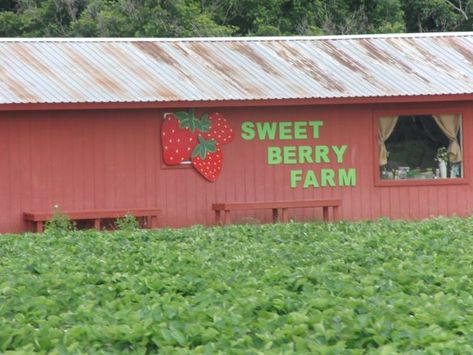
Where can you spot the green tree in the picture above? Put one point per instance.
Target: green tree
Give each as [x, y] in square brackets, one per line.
[438, 15]
[363, 16]
[184, 18]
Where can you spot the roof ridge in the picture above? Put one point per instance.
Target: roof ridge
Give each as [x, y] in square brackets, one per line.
[239, 39]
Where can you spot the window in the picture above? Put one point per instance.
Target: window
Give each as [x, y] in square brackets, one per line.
[419, 147]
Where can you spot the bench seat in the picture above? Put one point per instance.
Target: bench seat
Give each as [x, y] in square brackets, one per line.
[39, 218]
[275, 206]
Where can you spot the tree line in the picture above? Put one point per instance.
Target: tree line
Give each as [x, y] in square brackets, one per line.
[198, 18]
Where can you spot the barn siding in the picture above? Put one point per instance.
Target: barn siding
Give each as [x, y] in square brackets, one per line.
[112, 159]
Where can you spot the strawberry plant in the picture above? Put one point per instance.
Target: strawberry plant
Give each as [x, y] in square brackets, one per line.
[347, 288]
[127, 223]
[59, 224]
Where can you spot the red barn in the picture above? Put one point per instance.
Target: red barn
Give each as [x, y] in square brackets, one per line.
[380, 122]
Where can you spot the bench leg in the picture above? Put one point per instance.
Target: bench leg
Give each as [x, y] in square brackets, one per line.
[31, 225]
[218, 222]
[325, 214]
[335, 213]
[275, 215]
[39, 227]
[226, 217]
[284, 215]
[152, 222]
[97, 224]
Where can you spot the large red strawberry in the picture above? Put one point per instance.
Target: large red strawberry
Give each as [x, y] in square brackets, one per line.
[207, 159]
[215, 126]
[179, 136]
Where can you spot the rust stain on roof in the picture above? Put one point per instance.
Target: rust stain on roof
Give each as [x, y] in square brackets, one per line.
[394, 43]
[381, 56]
[100, 78]
[308, 67]
[156, 52]
[227, 71]
[180, 48]
[16, 88]
[141, 72]
[24, 53]
[343, 58]
[353, 65]
[466, 52]
[248, 52]
[426, 56]
[212, 59]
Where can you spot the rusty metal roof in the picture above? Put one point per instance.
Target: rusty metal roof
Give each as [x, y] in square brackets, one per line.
[215, 69]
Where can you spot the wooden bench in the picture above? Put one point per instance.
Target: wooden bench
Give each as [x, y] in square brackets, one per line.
[39, 218]
[275, 206]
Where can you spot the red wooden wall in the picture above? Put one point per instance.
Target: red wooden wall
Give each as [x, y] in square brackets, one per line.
[112, 159]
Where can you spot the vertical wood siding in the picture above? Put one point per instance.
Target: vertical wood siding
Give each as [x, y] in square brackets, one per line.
[112, 159]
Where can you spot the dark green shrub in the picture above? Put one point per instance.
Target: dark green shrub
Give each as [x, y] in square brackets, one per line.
[127, 223]
[59, 224]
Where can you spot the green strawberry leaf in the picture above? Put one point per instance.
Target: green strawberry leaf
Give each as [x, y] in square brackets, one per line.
[204, 123]
[188, 120]
[204, 147]
[181, 115]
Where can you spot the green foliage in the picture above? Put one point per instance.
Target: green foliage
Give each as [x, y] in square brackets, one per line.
[196, 18]
[345, 288]
[438, 15]
[127, 223]
[59, 225]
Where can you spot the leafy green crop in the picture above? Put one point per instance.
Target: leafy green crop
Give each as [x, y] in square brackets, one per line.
[345, 288]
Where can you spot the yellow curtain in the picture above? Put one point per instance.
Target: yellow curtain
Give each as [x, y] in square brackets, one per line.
[450, 125]
[385, 128]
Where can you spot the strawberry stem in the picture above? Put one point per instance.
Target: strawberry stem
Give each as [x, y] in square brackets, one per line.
[188, 120]
[204, 147]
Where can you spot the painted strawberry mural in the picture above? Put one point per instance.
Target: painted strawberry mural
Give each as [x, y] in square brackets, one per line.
[185, 137]
[218, 129]
[178, 137]
[207, 159]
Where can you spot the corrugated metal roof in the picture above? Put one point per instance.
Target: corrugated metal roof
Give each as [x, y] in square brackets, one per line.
[215, 69]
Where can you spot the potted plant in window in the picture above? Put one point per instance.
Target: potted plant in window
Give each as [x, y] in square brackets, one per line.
[442, 158]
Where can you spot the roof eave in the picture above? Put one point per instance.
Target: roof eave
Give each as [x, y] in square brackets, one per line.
[237, 103]
[235, 39]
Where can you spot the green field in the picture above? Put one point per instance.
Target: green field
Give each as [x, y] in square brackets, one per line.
[381, 287]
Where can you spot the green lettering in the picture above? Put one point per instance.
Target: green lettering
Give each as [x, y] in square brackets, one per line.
[266, 129]
[305, 154]
[285, 130]
[296, 176]
[289, 155]
[247, 130]
[315, 128]
[300, 130]
[347, 178]
[274, 155]
[339, 152]
[321, 154]
[310, 180]
[326, 177]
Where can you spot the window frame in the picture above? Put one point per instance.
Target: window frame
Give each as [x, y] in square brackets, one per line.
[378, 182]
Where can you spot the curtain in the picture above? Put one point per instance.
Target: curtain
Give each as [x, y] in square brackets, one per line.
[450, 125]
[385, 128]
